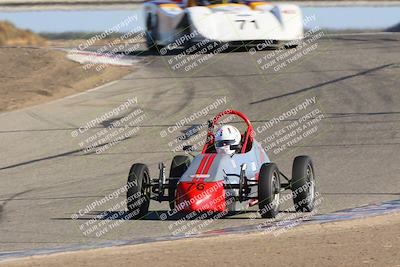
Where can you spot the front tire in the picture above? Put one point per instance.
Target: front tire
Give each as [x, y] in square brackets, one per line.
[138, 194]
[303, 184]
[268, 190]
[179, 165]
[152, 33]
[151, 46]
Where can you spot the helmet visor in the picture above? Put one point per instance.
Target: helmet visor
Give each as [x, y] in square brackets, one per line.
[222, 143]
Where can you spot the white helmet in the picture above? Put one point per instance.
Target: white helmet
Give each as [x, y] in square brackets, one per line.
[227, 139]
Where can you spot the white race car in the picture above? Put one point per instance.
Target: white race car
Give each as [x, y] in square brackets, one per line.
[174, 24]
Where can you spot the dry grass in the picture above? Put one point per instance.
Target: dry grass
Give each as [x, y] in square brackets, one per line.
[36, 75]
[11, 35]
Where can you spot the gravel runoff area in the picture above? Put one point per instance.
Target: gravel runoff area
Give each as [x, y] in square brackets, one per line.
[370, 241]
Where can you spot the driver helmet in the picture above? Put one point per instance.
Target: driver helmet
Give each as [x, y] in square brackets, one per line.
[227, 139]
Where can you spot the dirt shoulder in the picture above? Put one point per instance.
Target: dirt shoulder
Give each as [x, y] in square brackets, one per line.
[31, 76]
[371, 241]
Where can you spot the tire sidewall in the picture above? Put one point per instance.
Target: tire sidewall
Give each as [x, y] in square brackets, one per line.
[138, 174]
[302, 199]
[266, 190]
[152, 32]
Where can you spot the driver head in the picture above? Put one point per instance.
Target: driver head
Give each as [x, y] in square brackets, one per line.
[227, 139]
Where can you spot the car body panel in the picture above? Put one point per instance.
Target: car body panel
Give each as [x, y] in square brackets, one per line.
[255, 21]
[208, 170]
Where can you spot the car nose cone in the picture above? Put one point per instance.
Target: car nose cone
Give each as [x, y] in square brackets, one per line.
[200, 196]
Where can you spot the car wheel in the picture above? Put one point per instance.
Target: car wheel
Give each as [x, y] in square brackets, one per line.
[188, 41]
[179, 165]
[152, 35]
[268, 190]
[138, 194]
[303, 184]
[150, 42]
[149, 36]
[291, 46]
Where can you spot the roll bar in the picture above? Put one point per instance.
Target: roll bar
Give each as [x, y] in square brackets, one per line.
[213, 122]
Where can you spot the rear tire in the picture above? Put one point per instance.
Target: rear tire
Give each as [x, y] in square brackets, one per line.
[292, 44]
[189, 42]
[303, 184]
[138, 194]
[268, 190]
[179, 165]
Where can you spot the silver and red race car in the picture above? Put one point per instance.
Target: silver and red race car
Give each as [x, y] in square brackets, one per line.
[220, 182]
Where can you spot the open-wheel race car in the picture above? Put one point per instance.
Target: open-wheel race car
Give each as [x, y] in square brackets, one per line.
[217, 182]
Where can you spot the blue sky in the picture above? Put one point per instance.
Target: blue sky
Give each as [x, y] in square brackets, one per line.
[327, 17]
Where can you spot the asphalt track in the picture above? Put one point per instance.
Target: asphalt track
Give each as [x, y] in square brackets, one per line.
[45, 177]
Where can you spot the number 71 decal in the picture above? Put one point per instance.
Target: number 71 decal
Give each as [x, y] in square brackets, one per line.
[243, 22]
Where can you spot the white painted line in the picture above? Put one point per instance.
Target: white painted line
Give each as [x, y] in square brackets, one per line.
[342, 215]
[91, 90]
[101, 58]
